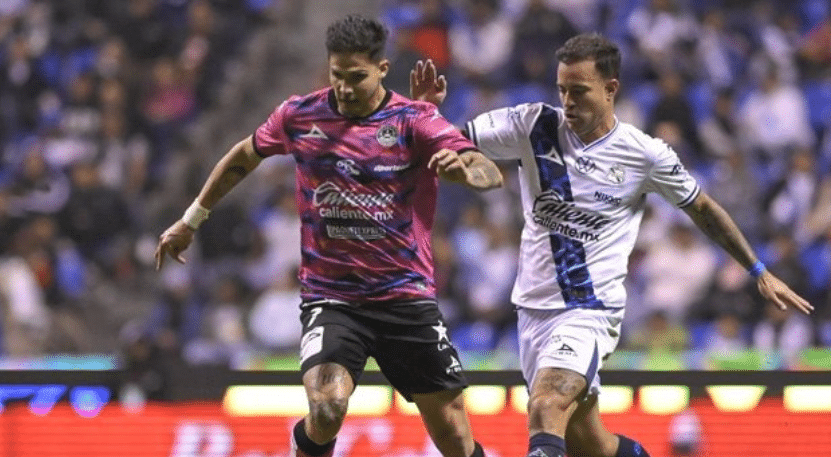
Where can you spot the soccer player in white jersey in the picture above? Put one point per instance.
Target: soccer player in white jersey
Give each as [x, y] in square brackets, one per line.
[584, 177]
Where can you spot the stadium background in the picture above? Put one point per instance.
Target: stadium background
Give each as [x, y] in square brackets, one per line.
[113, 112]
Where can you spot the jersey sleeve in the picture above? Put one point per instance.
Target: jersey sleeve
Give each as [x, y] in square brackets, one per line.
[501, 133]
[432, 133]
[670, 179]
[270, 138]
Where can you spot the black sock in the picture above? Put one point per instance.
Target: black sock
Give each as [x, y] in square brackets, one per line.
[306, 445]
[477, 450]
[630, 448]
[546, 445]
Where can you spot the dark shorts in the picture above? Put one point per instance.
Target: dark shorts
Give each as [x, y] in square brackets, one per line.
[409, 341]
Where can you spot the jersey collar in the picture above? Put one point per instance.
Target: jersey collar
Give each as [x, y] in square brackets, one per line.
[333, 104]
[596, 142]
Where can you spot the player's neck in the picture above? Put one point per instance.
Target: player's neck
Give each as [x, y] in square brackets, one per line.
[602, 129]
[373, 104]
[377, 99]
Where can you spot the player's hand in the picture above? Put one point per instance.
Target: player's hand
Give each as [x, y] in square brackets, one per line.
[778, 293]
[426, 84]
[449, 166]
[173, 241]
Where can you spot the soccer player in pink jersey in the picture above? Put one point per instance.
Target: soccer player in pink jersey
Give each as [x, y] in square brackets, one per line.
[368, 162]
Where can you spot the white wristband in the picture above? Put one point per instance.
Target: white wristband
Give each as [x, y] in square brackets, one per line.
[195, 215]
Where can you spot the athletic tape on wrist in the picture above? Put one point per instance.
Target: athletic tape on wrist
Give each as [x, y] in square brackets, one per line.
[195, 215]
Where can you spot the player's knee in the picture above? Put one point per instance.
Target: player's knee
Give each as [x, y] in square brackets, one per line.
[327, 415]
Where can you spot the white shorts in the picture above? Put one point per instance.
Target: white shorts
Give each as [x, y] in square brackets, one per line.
[576, 339]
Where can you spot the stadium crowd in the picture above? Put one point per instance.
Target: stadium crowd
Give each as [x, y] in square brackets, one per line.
[95, 97]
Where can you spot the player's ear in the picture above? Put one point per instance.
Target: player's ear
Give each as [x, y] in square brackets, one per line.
[612, 86]
[383, 67]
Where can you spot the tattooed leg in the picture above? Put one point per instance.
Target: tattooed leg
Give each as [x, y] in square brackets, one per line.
[553, 399]
[328, 387]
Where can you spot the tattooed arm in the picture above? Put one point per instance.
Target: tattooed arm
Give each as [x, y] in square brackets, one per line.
[228, 172]
[714, 221]
[235, 165]
[483, 174]
[470, 168]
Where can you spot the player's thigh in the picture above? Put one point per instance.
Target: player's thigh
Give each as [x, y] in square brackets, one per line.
[586, 436]
[572, 339]
[332, 336]
[419, 359]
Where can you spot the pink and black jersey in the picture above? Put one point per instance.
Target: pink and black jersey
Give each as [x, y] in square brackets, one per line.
[364, 193]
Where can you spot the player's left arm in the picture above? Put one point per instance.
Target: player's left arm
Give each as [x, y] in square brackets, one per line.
[470, 168]
[714, 221]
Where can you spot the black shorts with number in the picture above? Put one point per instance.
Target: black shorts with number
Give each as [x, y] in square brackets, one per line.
[408, 340]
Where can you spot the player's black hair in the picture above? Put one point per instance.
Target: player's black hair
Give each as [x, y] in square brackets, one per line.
[592, 46]
[356, 33]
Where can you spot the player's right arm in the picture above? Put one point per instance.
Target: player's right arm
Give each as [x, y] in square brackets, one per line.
[234, 166]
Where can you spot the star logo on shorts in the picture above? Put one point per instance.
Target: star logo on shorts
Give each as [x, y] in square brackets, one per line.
[442, 331]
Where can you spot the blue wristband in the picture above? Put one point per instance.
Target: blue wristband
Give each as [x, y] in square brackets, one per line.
[757, 269]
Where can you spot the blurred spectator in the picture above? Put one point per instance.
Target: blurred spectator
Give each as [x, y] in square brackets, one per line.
[678, 271]
[470, 241]
[144, 30]
[783, 332]
[21, 88]
[490, 290]
[542, 27]
[25, 315]
[94, 216]
[657, 334]
[403, 58]
[727, 336]
[774, 118]
[81, 119]
[814, 51]
[10, 221]
[819, 218]
[223, 337]
[816, 259]
[176, 318]
[719, 132]
[201, 51]
[721, 50]
[672, 107]
[39, 188]
[532, 78]
[481, 42]
[776, 31]
[790, 198]
[169, 103]
[731, 291]
[737, 188]
[122, 157]
[274, 321]
[661, 29]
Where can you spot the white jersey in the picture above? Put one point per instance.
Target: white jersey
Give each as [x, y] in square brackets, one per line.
[582, 204]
